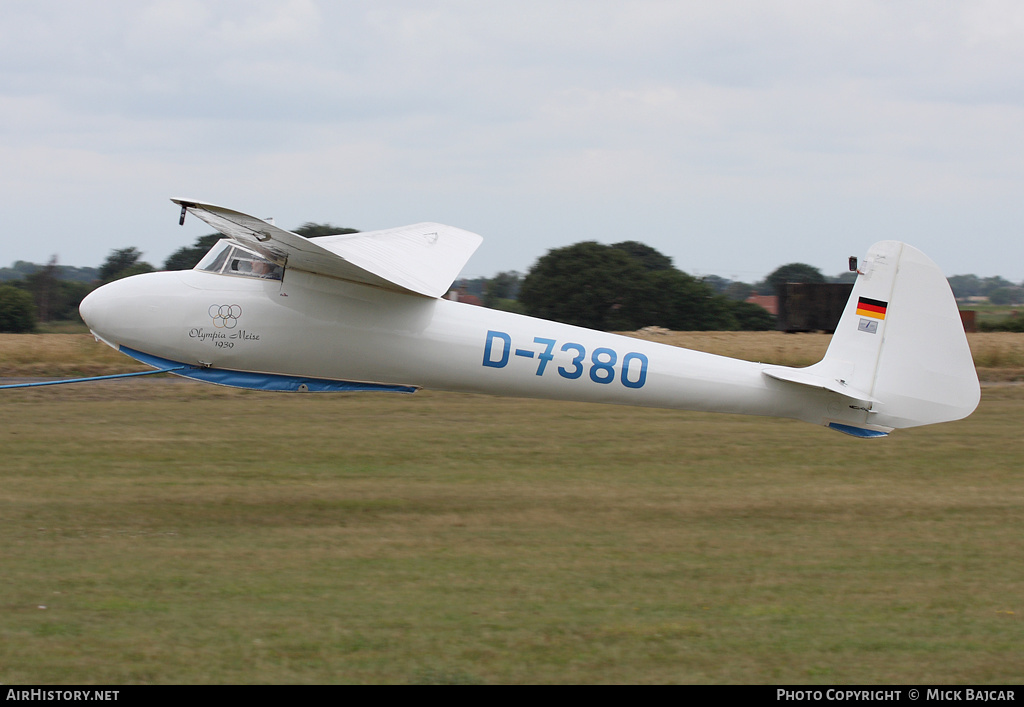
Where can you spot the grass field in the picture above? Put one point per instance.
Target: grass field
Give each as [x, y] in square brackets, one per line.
[165, 531]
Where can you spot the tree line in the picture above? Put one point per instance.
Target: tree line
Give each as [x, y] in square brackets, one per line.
[33, 293]
[628, 286]
[620, 287]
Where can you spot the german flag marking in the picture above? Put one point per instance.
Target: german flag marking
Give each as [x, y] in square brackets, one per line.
[867, 307]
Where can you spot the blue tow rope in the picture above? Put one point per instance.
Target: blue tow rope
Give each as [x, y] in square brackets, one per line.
[95, 378]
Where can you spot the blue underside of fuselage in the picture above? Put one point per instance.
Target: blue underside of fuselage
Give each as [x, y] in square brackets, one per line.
[262, 381]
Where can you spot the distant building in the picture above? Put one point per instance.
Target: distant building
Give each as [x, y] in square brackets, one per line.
[805, 306]
[969, 319]
[770, 303]
[459, 294]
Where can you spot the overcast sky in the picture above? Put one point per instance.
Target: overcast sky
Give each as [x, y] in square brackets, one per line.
[732, 136]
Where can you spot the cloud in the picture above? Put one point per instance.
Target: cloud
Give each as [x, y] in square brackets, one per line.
[710, 129]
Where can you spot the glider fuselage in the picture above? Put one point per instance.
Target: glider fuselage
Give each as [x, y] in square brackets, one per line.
[271, 310]
[310, 326]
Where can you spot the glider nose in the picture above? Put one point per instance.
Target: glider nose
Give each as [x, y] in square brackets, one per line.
[113, 311]
[95, 310]
[142, 312]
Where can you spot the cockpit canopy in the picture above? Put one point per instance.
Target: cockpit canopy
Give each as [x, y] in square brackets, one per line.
[227, 257]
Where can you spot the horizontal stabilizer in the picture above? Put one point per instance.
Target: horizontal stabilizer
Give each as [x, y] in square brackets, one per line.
[423, 259]
[803, 377]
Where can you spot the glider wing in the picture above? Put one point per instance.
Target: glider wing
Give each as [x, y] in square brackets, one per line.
[423, 259]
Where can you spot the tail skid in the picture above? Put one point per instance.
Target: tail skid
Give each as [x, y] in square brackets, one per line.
[899, 357]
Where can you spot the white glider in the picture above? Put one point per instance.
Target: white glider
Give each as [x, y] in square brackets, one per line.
[271, 310]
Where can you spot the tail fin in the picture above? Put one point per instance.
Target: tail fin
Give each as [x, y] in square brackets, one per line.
[900, 348]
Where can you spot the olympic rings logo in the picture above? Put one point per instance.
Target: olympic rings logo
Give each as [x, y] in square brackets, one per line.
[225, 316]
